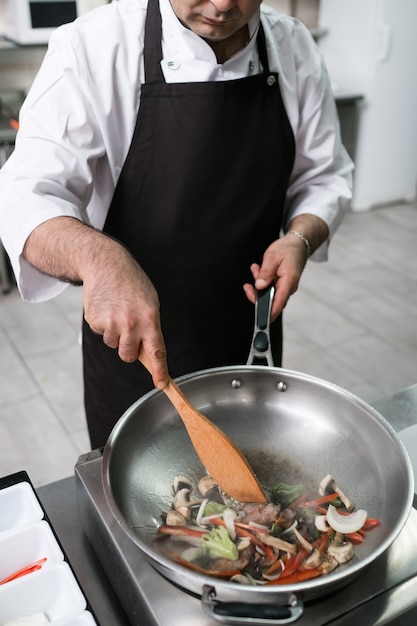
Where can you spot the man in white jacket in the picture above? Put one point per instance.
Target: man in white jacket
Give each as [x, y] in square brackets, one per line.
[170, 153]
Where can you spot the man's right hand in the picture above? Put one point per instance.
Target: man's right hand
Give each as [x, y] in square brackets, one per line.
[120, 302]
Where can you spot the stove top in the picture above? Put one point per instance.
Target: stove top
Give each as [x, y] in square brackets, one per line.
[387, 589]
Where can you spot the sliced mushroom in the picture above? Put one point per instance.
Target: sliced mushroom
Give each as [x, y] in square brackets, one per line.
[329, 485]
[340, 549]
[206, 485]
[277, 543]
[182, 502]
[314, 559]
[328, 564]
[175, 518]
[182, 482]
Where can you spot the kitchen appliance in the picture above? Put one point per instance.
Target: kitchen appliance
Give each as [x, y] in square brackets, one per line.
[369, 48]
[29, 22]
[382, 592]
[292, 428]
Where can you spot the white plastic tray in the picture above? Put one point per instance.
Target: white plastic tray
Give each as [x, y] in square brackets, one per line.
[26, 536]
[19, 507]
[52, 590]
[19, 548]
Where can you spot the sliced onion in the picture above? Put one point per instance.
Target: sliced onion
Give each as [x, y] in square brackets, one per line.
[244, 542]
[278, 574]
[258, 526]
[254, 581]
[320, 522]
[272, 577]
[290, 528]
[229, 517]
[305, 544]
[200, 512]
[346, 523]
[207, 518]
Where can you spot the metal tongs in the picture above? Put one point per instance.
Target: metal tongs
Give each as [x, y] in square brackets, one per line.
[260, 351]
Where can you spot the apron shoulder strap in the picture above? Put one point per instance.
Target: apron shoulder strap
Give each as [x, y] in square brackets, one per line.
[263, 54]
[152, 46]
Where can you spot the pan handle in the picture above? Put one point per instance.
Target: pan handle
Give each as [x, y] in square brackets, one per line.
[260, 351]
[242, 613]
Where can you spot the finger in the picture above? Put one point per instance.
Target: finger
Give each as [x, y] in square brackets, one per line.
[285, 286]
[266, 274]
[250, 292]
[156, 362]
[128, 348]
[111, 339]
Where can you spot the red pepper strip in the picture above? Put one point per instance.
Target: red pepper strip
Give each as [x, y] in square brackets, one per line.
[321, 500]
[218, 521]
[201, 570]
[294, 563]
[273, 569]
[241, 532]
[166, 529]
[355, 538]
[296, 577]
[270, 554]
[371, 522]
[28, 569]
[253, 529]
[321, 543]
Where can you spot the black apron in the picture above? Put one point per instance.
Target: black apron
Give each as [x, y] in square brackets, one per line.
[200, 198]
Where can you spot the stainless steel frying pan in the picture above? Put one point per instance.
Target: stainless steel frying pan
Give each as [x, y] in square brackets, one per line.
[292, 427]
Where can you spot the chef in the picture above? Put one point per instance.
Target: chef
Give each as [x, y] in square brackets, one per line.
[173, 155]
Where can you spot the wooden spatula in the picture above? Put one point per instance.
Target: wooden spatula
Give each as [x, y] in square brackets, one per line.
[220, 456]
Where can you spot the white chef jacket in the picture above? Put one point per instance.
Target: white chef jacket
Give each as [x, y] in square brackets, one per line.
[77, 122]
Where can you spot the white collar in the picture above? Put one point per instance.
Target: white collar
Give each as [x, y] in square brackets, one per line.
[182, 40]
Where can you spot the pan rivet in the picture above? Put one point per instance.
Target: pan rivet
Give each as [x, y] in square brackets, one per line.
[236, 383]
[282, 386]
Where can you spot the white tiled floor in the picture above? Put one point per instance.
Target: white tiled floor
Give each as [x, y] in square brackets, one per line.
[353, 322]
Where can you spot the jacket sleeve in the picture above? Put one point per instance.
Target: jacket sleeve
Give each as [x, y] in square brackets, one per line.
[321, 180]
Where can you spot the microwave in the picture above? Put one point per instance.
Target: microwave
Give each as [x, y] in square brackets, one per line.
[31, 22]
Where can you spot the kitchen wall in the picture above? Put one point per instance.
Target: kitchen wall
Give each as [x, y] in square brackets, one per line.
[18, 66]
[306, 10]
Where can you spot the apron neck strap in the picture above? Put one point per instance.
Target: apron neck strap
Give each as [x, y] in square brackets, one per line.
[152, 49]
[261, 43]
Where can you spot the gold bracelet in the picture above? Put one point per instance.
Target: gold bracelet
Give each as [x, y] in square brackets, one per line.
[303, 238]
